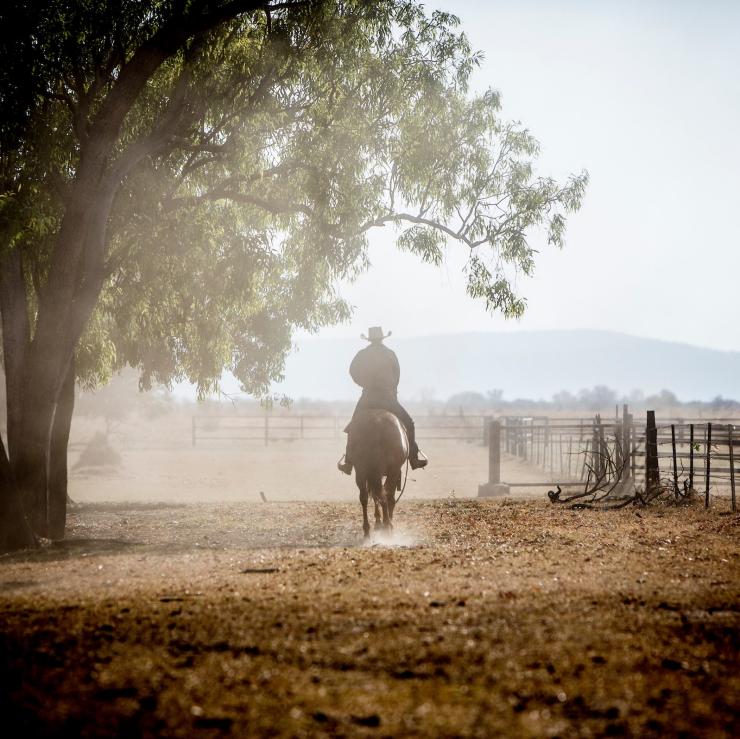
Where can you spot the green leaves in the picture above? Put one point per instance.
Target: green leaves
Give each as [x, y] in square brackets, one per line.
[424, 241]
[494, 287]
[252, 165]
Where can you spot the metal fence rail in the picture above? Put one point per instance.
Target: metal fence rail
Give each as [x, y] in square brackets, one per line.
[670, 452]
[277, 428]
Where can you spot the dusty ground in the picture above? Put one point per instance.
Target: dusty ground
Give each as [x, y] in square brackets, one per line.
[159, 463]
[476, 619]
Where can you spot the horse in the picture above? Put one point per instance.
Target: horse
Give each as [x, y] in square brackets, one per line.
[379, 448]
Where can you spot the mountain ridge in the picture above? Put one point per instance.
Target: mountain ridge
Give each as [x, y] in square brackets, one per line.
[523, 364]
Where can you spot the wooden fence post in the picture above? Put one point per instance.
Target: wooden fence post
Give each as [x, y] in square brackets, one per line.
[632, 446]
[691, 456]
[675, 464]
[625, 442]
[730, 428]
[267, 429]
[494, 486]
[708, 464]
[595, 450]
[652, 469]
[192, 430]
[604, 472]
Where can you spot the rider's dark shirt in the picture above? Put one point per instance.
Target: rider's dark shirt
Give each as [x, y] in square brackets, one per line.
[375, 369]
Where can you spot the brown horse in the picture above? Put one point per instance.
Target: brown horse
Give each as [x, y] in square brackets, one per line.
[379, 447]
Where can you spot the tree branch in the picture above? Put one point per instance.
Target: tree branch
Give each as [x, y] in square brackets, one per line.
[159, 136]
[408, 217]
[147, 59]
[275, 206]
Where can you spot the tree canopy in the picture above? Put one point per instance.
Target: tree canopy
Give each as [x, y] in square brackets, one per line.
[246, 149]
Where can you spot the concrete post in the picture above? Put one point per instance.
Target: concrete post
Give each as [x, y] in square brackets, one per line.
[494, 486]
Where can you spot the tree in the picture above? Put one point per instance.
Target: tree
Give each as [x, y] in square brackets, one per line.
[183, 183]
[564, 399]
[597, 398]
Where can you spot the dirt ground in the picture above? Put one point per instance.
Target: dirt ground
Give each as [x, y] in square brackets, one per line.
[159, 463]
[477, 618]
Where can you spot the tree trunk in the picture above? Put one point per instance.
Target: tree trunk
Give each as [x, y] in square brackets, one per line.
[46, 376]
[57, 512]
[31, 466]
[16, 338]
[30, 461]
[65, 306]
[15, 532]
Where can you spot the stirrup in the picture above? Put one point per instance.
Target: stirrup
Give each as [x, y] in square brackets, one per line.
[418, 464]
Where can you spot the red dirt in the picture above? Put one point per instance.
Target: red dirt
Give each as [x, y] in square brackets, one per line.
[477, 619]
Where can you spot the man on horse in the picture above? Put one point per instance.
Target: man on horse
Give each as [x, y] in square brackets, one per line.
[376, 370]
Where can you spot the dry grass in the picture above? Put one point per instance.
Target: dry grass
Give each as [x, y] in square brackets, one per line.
[476, 619]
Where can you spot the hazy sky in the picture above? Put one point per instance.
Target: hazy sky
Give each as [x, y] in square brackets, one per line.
[646, 97]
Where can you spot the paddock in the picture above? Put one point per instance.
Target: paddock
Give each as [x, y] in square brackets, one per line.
[482, 618]
[182, 603]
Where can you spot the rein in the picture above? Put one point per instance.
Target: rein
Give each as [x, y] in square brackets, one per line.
[405, 478]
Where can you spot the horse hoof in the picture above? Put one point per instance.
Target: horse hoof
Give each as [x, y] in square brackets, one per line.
[378, 525]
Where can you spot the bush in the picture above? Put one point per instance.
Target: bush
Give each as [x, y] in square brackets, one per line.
[98, 453]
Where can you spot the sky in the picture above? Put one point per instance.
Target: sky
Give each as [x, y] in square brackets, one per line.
[646, 97]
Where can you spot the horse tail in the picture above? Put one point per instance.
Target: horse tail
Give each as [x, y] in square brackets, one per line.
[375, 487]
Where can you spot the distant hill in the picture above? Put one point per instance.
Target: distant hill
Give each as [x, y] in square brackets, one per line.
[524, 364]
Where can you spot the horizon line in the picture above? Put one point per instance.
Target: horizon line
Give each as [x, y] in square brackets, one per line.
[501, 332]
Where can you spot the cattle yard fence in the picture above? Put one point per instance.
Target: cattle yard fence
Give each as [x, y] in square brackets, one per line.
[689, 452]
[682, 454]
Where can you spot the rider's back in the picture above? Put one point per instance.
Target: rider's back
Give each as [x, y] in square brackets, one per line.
[376, 368]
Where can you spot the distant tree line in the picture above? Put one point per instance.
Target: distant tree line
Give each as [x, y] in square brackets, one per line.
[121, 397]
[599, 397]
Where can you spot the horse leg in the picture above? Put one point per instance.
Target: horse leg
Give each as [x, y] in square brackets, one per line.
[391, 482]
[384, 506]
[376, 488]
[363, 486]
[386, 518]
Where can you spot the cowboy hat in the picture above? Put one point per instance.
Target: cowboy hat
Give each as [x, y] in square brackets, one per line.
[375, 333]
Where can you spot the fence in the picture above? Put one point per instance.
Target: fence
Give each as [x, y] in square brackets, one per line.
[268, 428]
[667, 452]
[672, 451]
